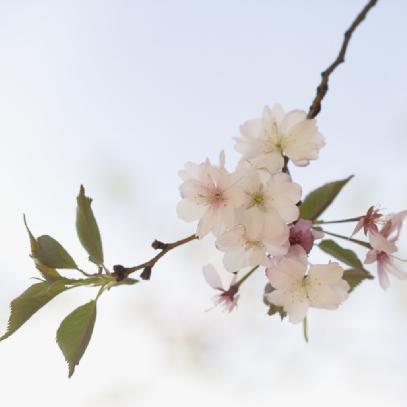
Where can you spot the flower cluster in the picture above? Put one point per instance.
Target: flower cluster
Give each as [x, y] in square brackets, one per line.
[253, 213]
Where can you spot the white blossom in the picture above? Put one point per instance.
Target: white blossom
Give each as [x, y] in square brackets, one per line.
[265, 141]
[296, 291]
[211, 194]
[249, 243]
[266, 195]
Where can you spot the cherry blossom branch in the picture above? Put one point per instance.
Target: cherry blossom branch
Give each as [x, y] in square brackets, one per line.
[322, 88]
[245, 277]
[121, 272]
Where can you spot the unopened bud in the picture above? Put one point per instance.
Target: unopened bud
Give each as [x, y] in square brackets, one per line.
[157, 245]
[146, 274]
[120, 272]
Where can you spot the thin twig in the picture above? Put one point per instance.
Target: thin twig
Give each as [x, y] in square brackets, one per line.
[322, 89]
[323, 222]
[245, 277]
[121, 272]
[349, 239]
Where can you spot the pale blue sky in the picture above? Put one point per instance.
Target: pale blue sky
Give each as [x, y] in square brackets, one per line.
[118, 95]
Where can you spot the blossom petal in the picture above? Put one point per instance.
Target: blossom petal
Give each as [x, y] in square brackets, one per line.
[234, 260]
[379, 242]
[326, 273]
[276, 297]
[208, 220]
[297, 252]
[383, 277]
[291, 119]
[212, 277]
[397, 272]
[231, 240]
[297, 310]
[189, 211]
[396, 224]
[285, 273]
[371, 256]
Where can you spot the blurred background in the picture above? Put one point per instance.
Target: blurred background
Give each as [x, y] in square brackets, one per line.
[118, 95]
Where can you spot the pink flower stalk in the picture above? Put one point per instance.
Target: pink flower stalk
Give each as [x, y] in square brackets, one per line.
[368, 222]
[227, 298]
[383, 244]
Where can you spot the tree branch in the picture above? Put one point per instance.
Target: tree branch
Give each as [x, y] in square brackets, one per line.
[322, 89]
[121, 272]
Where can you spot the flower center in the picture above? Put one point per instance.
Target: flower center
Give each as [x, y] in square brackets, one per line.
[273, 139]
[382, 256]
[257, 198]
[251, 244]
[215, 197]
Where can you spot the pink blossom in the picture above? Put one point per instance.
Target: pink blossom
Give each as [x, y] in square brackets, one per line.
[368, 222]
[383, 244]
[211, 194]
[227, 298]
[385, 264]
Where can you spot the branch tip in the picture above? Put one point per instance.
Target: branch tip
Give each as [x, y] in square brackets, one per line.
[322, 88]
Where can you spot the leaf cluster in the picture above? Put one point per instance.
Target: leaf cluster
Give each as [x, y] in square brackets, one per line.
[49, 256]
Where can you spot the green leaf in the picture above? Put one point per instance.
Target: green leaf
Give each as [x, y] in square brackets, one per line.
[87, 228]
[29, 302]
[355, 276]
[48, 273]
[52, 254]
[357, 273]
[33, 241]
[273, 309]
[346, 256]
[318, 200]
[48, 252]
[74, 333]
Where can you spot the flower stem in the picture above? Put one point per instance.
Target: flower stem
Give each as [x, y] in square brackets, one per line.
[359, 242]
[164, 249]
[322, 222]
[245, 277]
[305, 329]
